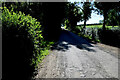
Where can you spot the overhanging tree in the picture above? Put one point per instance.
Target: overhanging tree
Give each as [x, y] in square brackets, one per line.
[103, 8]
[114, 15]
[49, 14]
[73, 15]
[112, 18]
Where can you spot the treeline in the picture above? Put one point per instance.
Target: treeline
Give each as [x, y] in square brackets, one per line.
[68, 14]
[82, 12]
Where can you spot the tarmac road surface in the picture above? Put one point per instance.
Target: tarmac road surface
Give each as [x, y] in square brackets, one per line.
[74, 57]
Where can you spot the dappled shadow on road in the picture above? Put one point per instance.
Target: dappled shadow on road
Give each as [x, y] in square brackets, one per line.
[68, 38]
[63, 46]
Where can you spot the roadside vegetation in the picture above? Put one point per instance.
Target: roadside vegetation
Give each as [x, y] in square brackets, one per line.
[92, 33]
[22, 36]
[27, 33]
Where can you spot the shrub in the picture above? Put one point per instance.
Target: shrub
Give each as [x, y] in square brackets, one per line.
[23, 44]
[110, 37]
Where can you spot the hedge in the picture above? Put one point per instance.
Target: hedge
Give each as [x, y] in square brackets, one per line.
[23, 44]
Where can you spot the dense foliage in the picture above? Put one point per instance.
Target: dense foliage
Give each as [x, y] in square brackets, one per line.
[113, 17]
[72, 15]
[49, 14]
[104, 9]
[23, 44]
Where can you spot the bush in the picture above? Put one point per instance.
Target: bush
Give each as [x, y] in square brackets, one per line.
[110, 37]
[90, 33]
[23, 44]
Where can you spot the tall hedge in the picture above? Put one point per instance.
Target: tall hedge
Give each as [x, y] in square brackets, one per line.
[22, 44]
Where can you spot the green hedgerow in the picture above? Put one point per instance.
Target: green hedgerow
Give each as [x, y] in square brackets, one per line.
[22, 38]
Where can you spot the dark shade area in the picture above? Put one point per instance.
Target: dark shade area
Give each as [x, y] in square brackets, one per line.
[52, 18]
[17, 50]
[21, 37]
[110, 37]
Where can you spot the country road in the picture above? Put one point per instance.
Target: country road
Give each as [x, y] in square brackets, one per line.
[74, 57]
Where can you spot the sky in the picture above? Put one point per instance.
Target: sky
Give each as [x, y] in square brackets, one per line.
[94, 17]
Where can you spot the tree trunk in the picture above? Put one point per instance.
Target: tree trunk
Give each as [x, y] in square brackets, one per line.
[84, 26]
[104, 22]
[113, 26]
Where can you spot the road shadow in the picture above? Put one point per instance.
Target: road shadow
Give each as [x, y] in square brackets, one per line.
[68, 38]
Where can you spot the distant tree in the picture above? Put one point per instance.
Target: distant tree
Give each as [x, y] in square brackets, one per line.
[87, 10]
[73, 15]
